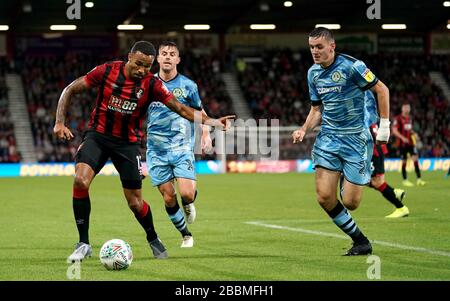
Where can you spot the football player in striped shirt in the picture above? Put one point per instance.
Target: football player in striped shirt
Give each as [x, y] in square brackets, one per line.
[406, 139]
[125, 90]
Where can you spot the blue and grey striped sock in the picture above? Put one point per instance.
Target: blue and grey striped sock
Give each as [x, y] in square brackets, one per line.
[342, 218]
[177, 218]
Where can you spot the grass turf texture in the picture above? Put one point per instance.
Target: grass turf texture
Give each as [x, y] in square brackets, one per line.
[38, 231]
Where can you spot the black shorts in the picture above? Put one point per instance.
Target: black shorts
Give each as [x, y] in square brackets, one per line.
[377, 165]
[407, 149]
[96, 149]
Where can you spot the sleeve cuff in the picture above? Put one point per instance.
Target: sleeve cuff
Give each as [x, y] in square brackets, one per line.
[370, 85]
[167, 99]
[316, 103]
[86, 80]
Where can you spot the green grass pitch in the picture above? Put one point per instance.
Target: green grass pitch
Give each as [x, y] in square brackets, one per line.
[248, 227]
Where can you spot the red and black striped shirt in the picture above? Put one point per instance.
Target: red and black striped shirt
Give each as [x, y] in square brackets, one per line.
[122, 102]
[404, 126]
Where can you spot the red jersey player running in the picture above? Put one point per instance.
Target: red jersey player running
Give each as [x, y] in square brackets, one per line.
[125, 91]
[402, 129]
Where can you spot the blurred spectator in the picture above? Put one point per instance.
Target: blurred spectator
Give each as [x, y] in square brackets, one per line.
[8, 149]
[44, 78]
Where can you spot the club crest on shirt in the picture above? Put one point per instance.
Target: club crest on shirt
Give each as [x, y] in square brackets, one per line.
[336, 76]
[178, 93]
[139, 92]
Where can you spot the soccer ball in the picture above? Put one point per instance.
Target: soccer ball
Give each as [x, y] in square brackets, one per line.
[116, 254]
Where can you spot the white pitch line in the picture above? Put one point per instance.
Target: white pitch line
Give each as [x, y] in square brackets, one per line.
[379, 242]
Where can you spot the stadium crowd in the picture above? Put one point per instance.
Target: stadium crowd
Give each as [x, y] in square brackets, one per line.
[44, 77]
[205, 71]
[8, 147]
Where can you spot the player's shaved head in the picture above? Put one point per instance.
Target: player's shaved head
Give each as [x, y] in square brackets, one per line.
[322, 32]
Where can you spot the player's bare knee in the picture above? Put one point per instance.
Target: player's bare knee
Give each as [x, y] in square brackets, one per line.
[324, 200]
[135, 205]
[321, 201]
[352, 204]
[375, 182]
[323, 194]
[170, 199]
[134, 199]
[81, 182]
[188, 196]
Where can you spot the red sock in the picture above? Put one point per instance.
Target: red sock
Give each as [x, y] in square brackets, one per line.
[382, 187]
[80, 193]
[144, 209]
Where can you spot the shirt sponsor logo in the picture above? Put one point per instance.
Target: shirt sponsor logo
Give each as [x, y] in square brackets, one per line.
[121, 105]
[336, 89]
[157, 104]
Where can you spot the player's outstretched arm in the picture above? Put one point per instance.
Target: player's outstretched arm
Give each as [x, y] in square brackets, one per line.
[198, 116]
[383, 108]
[206, 141]
[75, 87]
[313, 120]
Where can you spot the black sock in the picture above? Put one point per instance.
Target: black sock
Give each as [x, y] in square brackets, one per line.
[404, 171]
[81, 211]
[145, 218]
[389, 194]
[416, 167]
[342, 218]
[178, 220]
